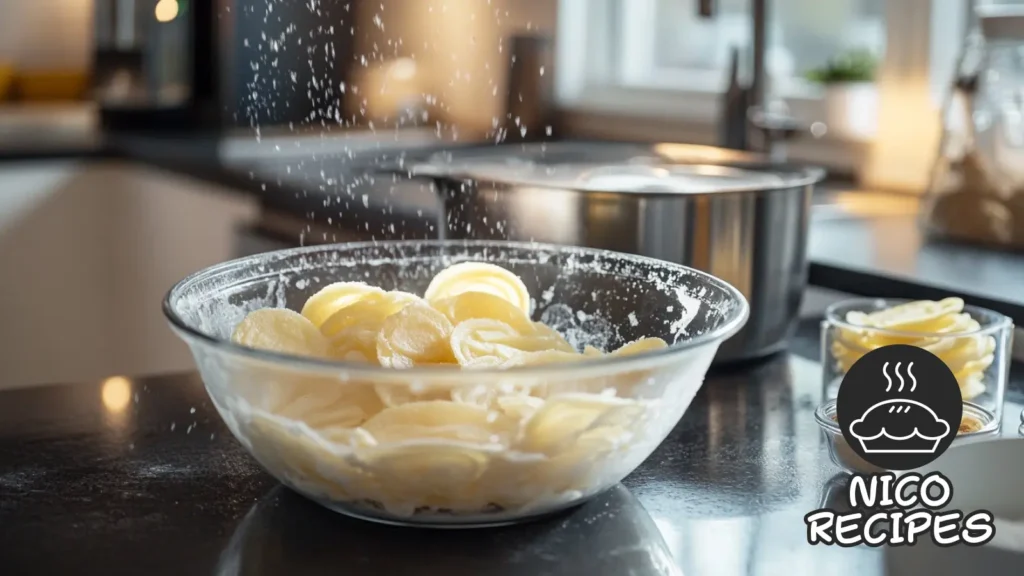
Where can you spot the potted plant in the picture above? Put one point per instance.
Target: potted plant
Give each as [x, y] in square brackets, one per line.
[851, 99]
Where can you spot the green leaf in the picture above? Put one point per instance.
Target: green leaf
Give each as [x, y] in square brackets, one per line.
[852, 66]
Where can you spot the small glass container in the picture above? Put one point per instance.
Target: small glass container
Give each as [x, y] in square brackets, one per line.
[976, 424]
[980, 358]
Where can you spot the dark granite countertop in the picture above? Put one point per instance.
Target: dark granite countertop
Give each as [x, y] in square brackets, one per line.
[886, 253]
[160, 487]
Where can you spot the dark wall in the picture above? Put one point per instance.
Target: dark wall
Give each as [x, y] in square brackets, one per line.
[286, 60]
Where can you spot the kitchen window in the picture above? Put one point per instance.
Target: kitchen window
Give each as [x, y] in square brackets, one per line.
[656, 68]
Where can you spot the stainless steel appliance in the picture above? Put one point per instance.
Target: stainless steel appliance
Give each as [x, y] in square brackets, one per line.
[156, 64]
[724, 212]
[187, 65]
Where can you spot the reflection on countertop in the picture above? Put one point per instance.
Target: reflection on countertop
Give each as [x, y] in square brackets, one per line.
[612, 534]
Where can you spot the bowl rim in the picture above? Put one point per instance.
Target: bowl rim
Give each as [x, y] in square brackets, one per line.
[998, 323]
[330, 366]
[794, 177]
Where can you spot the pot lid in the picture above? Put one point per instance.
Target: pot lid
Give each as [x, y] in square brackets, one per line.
[616, 168]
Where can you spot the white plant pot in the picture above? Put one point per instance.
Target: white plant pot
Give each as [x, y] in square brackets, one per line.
[851, 110]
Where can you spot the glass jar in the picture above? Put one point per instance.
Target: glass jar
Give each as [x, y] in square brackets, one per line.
[979, 358]
[977, 185]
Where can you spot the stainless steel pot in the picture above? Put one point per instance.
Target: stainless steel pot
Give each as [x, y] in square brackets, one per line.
[726, 213]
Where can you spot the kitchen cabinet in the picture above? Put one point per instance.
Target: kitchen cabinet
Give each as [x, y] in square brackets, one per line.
[87, 252]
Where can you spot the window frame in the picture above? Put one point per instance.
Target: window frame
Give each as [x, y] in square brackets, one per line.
[597, 104]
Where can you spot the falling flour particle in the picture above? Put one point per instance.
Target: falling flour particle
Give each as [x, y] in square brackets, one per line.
[173, 425]
[547, 295]
[632, 319]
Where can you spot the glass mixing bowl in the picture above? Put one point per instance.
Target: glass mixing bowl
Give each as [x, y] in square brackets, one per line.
[569, 431]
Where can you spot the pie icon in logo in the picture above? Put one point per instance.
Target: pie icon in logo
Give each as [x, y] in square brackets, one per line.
[899, 407]
[895, 426]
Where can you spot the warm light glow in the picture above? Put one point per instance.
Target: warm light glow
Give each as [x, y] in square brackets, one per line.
[907, 138]
[117, 392]
[403, 69]
[697, 153]
[860, 203]
[166, 10]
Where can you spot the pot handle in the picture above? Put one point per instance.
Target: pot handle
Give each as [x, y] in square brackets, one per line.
[456, 194]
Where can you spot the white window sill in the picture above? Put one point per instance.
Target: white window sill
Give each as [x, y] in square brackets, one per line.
[629, 113]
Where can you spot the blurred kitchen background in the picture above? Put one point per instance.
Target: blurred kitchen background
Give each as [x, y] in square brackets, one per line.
[141, 140]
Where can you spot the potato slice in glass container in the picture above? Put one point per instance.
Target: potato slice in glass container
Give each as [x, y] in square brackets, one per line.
[369, 311]
[539, 341]
[640, 346]
[937, 325]
[919, 316]
[565, 417]
[397, 394]
[553, 339]
[308, 460]
[353, 329]
[474, 305]
[417, 335]
[963, 351]
[332, 404]
[521, 407]
[333, 297]
[626, 384]
[280, 330]
[435, 473]
[485, 342]
[479, 277]
[486, 393]
[527, 481]
[972, 386]
[440, 419]
[479, 341]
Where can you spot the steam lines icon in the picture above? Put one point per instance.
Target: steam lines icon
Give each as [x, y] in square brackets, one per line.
[913, 380]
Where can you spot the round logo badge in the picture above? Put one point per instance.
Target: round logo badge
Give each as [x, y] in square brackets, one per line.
[899, 407]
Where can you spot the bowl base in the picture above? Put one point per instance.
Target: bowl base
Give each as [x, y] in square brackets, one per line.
[493, 520]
